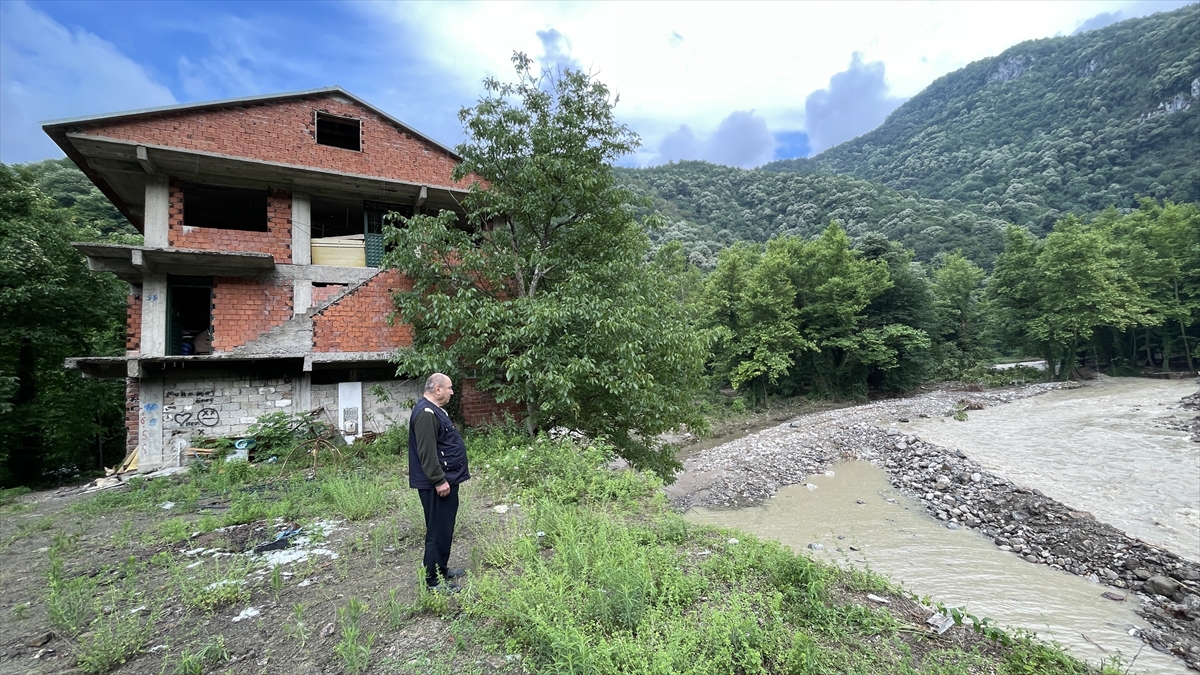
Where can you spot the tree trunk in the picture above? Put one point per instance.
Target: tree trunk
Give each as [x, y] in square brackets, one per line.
[1048, 356]
[1149, 356]
[531, 418]
[1186, 349]
[26, 461]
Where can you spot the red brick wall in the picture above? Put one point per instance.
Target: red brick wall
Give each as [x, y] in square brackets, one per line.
[358, 322]
[479, 408]
[133, 322]
[320, 294]
[285, 131]
[277, 240]
[133, 402]
[244, 309]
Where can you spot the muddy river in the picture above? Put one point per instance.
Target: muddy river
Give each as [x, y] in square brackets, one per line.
[1108, 448]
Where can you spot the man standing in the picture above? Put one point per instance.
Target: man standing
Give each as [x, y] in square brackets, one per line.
[437, 463]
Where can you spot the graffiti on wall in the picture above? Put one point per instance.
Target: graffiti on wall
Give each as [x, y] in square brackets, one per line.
[207, 417]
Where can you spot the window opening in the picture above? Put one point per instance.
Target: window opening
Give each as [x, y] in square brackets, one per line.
[224, 208]
[189, 315]
[336, 218]
[339, 132]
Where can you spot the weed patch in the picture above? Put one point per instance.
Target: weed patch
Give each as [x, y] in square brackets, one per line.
[353, 498]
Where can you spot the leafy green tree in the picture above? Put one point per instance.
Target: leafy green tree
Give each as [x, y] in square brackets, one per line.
[1013, 295]
[548, 295]
[957, 287]
[1082, 288]
[53, 421]
[816, 316]
[1158, 247]
[908, 302]
[769, 340]
[79, 199]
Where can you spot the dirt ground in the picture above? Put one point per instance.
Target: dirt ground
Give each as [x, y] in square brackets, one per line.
[321, 575]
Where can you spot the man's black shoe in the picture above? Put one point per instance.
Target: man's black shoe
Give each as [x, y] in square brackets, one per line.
[455, 573]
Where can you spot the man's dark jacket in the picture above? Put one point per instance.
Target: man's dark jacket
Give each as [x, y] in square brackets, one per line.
[450, 463]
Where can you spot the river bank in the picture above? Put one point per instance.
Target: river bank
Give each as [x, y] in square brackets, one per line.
[961, 493]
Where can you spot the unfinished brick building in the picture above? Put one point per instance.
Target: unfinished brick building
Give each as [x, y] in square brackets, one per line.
[258, 287]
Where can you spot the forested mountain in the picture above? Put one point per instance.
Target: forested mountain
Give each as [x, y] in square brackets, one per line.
[1066, 124]
[709, 207]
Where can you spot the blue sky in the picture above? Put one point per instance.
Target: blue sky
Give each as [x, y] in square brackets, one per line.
[737, 84]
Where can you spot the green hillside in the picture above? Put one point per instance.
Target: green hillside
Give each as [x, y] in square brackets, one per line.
[1065, 124]
[708, 207]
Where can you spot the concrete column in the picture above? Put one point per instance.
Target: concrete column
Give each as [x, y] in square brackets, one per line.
[304, 393]
[150, 426]
[301, 296]
[154, 315]
[301, 229]
[158, 204]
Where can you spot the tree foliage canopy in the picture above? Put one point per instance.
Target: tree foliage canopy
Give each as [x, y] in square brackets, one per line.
[547, 295]
[804, 315]
[52, 421]
[709, 207]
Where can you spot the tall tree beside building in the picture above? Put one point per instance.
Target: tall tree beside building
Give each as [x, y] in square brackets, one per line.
[548, 296]
[52, 421]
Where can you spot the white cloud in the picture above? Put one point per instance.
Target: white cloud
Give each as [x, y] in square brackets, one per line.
[695, 64]
[741, 139]
[855, 102]
[48, 72]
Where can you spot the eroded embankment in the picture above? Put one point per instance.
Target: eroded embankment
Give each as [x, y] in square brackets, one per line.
[960, 493]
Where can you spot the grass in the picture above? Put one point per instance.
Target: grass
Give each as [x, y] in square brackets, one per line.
[592, 573]
[354, 648]
[209, 654]
[213, 584]
[355, 498]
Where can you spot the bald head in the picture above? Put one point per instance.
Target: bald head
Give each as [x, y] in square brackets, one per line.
[439, 389]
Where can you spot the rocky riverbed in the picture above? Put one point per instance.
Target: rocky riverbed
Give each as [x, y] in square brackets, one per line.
[961, 494]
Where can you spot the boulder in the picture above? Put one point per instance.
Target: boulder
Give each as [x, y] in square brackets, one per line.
[1161, 585]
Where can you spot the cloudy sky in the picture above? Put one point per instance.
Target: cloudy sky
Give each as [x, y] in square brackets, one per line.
[738, 84]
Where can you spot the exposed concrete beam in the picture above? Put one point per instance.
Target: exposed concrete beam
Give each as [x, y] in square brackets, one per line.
[327, 274]
[114, 166]
[421, 197]
[344, 358]
[143, 158]
[137, 258]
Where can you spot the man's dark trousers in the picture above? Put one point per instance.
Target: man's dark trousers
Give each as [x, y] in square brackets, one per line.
[440, 513]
